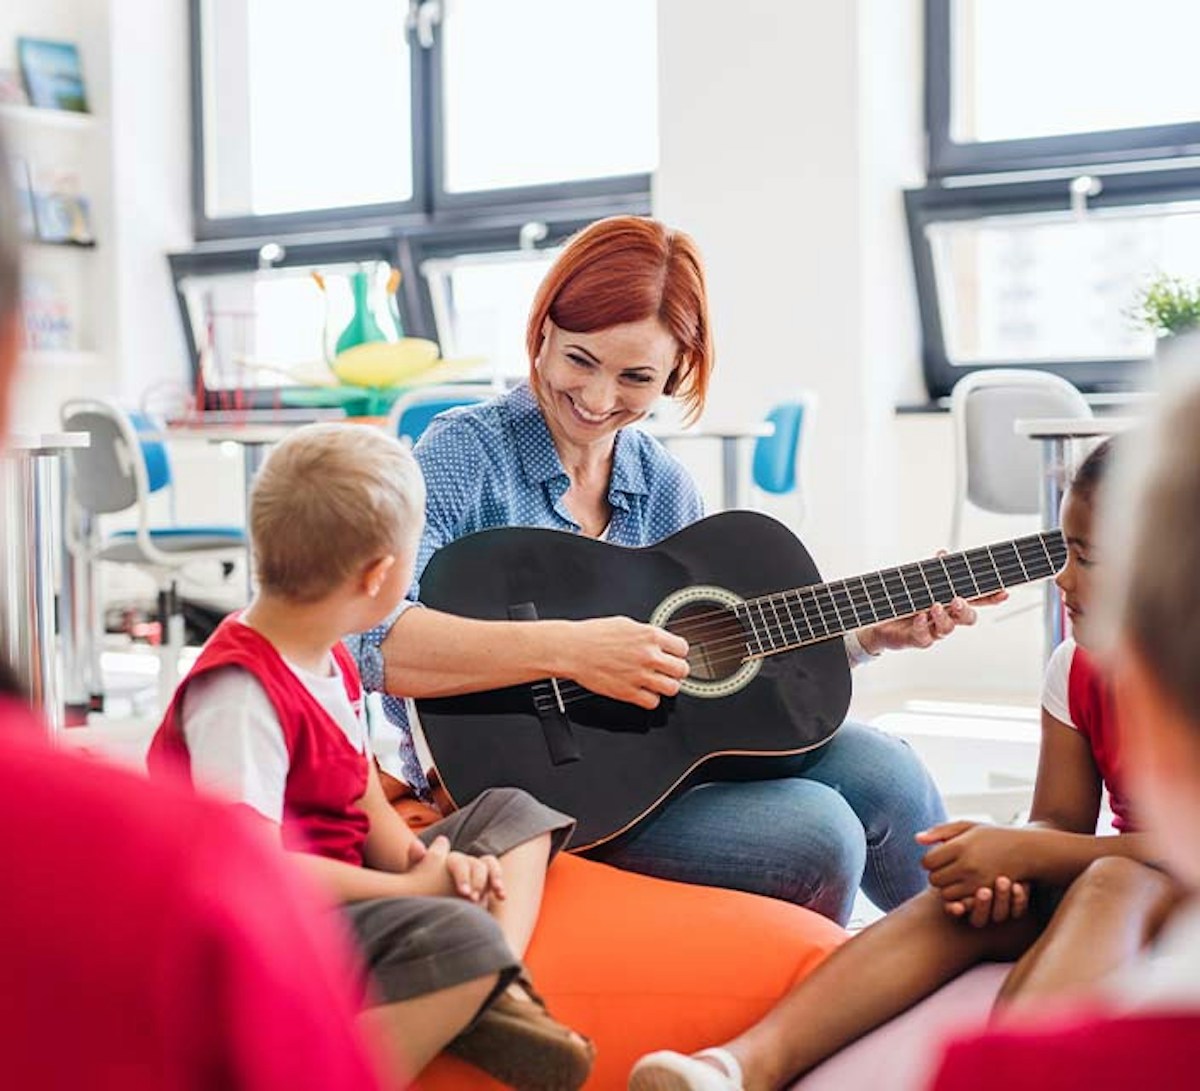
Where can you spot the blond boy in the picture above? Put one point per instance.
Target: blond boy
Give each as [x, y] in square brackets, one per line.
[271, 717]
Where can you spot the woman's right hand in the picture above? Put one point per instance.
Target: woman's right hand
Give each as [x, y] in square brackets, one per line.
[626, 660]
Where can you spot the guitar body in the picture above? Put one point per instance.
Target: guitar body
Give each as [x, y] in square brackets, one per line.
[616, 762]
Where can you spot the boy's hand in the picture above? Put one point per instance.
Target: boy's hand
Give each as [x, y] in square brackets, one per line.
[443, 873]
[967, 856]
[476, 878]
[1005, 901]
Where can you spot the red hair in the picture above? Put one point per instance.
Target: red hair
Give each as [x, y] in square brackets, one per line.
[627, 269]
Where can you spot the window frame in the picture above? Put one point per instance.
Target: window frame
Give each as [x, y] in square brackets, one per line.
[936, 203]
[948, 158]
[430, 207]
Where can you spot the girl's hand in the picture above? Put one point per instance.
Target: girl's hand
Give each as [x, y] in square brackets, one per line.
[967, 856]
[923, 629]
[627, 660]
[992, 905]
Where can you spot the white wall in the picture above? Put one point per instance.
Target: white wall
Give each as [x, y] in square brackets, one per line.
[787, 132]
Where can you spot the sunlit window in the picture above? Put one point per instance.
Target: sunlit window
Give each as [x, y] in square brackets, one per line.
[541, 91]
[1032, 68]
[481, 303]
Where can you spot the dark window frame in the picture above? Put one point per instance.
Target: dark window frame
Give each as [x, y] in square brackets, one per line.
[947, 158]
[430, 207]
[934, 204]
[433, 223]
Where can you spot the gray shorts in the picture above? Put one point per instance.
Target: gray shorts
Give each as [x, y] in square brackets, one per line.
[414, 946]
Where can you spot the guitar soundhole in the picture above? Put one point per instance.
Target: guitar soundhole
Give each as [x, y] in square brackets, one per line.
[716, 639]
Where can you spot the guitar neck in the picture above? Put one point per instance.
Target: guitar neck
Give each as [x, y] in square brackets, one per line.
[808, 615]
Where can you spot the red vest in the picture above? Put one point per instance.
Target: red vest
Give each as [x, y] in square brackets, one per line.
[326, 776]
[1093, 712]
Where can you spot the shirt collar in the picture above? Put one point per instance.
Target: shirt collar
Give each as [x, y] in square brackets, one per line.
[539, 457]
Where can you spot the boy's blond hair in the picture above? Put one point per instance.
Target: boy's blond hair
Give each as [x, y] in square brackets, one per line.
[330, 499]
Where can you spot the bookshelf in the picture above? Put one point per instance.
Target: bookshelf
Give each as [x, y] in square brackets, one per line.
[35, 117]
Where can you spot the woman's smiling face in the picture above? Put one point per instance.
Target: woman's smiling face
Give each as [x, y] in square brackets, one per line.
[592, 384]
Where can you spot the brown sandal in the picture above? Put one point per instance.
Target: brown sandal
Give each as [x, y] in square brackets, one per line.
[521, 1044]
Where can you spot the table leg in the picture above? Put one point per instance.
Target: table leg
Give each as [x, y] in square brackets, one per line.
[1055, 468]
[730, 478]
[28, 580]
[253, 456]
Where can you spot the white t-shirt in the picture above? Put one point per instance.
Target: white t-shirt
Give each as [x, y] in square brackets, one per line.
[234, 738]
[1056, 683]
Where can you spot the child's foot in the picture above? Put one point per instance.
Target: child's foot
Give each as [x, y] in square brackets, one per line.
[520, 1043]
[708, 1070]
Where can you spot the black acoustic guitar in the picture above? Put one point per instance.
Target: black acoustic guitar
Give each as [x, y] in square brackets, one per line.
[767, 676]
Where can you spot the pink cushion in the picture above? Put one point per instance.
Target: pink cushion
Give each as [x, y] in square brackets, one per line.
[903, 1055]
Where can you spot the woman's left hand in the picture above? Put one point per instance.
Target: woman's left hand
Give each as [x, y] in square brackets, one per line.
[923, 629]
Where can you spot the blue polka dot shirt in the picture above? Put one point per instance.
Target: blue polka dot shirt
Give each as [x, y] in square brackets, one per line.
[495, 465]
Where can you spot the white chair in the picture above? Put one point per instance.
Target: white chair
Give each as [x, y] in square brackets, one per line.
[119, 471]
[411, 412]
[994, 468]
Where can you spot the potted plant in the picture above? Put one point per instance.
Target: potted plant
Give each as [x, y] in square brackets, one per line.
[1169, 307]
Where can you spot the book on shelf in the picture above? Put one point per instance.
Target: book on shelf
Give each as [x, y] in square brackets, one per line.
[47, 315]
[53, 74]
[24, 198]
[12, 90]
[60, 211]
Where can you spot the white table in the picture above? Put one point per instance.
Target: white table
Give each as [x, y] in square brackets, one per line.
[730, 436]
[30, 472]
[1056, 435]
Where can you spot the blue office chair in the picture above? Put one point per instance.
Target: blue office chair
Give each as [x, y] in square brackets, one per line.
[411, 413]
[778, 458]
[125, 464]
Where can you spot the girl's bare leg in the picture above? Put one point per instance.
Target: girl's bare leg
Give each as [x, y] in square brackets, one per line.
[1107, 916]
[413, 1032]
[878, 974]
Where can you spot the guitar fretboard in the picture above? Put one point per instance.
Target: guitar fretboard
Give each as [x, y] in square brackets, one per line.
[808, 615]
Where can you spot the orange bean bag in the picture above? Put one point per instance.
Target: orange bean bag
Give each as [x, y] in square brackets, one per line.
[639, 964]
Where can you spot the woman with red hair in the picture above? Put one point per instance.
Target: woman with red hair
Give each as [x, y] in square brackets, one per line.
[620, 321]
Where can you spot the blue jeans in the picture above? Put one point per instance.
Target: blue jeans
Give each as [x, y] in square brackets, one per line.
[807, 829]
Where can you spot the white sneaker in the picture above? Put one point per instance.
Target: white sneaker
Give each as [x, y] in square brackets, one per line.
[668, 1071]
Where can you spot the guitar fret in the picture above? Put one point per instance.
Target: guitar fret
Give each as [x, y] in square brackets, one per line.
[892, 611]
[792, 619]
[766, 628]
[841, 594]
[938, 581]
[966, 591]
[812, 613]
[894, 583]
[1035, 557]
[840, 625]
[920, 590]
[751, 629]
[981, 579]
[1017, 556]
[866, 599]
[830, 628]
[778, 622]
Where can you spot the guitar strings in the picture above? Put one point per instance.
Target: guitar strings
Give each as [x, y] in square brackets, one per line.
[730, 633]
[1035, 541]
[1006, 573]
